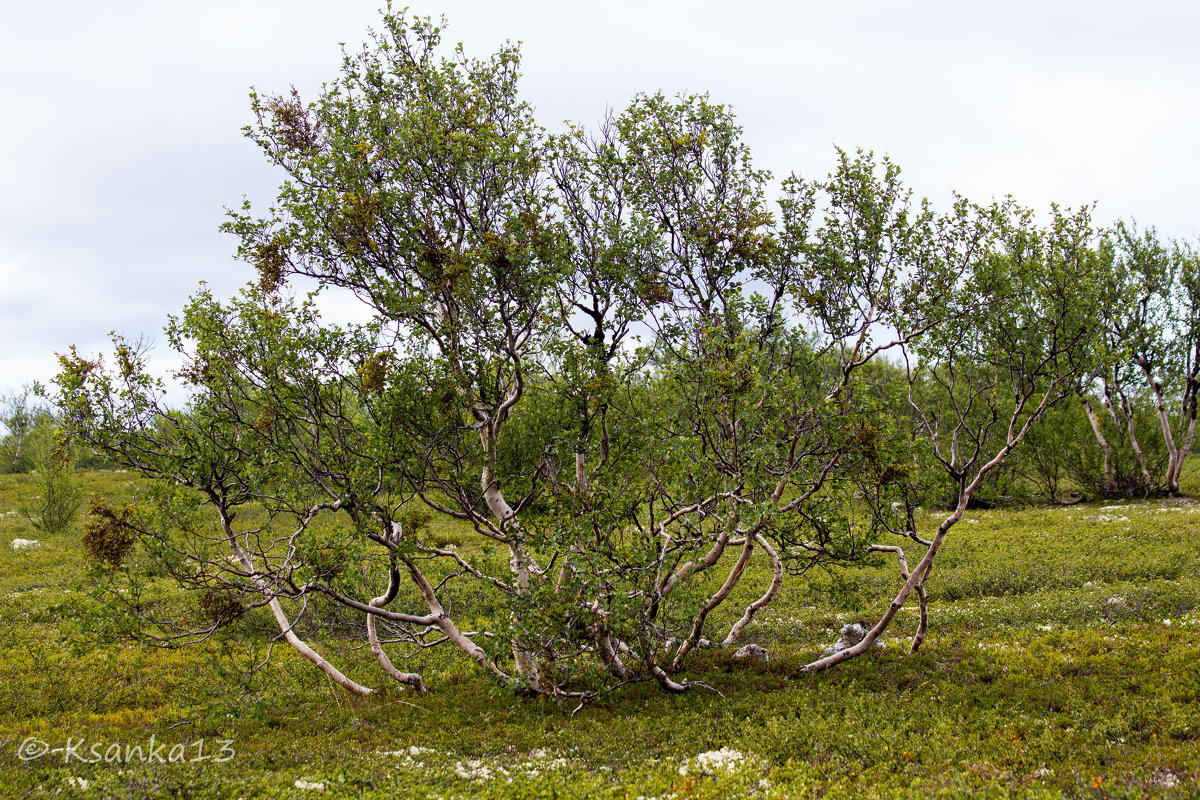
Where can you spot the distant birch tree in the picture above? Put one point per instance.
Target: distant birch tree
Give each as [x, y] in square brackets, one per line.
[1150, 314]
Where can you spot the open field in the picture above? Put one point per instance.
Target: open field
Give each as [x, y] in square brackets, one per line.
[1063, 660]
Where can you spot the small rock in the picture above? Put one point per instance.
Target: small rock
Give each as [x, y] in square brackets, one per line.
[24, 544]
[753, 652]
[852, 634]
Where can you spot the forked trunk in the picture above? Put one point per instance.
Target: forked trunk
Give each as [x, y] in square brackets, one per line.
[408, 678]
[285, 625]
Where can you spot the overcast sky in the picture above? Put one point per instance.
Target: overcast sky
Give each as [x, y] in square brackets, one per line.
[120, 140]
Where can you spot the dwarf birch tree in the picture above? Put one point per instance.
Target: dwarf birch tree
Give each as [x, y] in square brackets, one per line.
[606, 353]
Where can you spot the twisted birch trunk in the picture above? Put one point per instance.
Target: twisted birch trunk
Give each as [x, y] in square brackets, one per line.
[408, 678]
[285, 625]
[1110, 479]
[1174, 461]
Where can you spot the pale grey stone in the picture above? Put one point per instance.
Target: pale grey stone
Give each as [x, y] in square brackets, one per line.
[754, 653]
[852, 634]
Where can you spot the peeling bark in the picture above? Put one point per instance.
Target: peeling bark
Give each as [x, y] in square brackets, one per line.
[581, 479]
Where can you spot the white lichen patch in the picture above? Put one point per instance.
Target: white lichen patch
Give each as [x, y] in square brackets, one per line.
[475, 770]
[1163, 779]
[540, 761]
[1106, 518]
[309, 786]
[409, 758]
[714, 761]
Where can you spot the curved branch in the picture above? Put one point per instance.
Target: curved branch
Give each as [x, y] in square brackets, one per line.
[712, 602]
[760, 603]
[412, 679]
[285, 625]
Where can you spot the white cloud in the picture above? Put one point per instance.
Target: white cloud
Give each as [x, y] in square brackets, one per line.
[122, 139]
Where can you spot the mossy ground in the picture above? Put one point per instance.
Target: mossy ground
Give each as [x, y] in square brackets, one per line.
[1063, 660]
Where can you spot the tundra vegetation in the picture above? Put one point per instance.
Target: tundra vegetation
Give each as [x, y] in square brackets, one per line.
[1057, 666]
[613, 360]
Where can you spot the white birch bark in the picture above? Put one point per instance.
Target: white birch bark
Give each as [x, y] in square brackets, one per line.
[1106, 448]
[1164, 419]
[519, 562]
[712, 602]
[444, 623]
[1185, 449]
[1127, 412]
[285, 625]
[408, 678]
[922, 597]
[581, 479]
[760, 603]
[916, 576]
